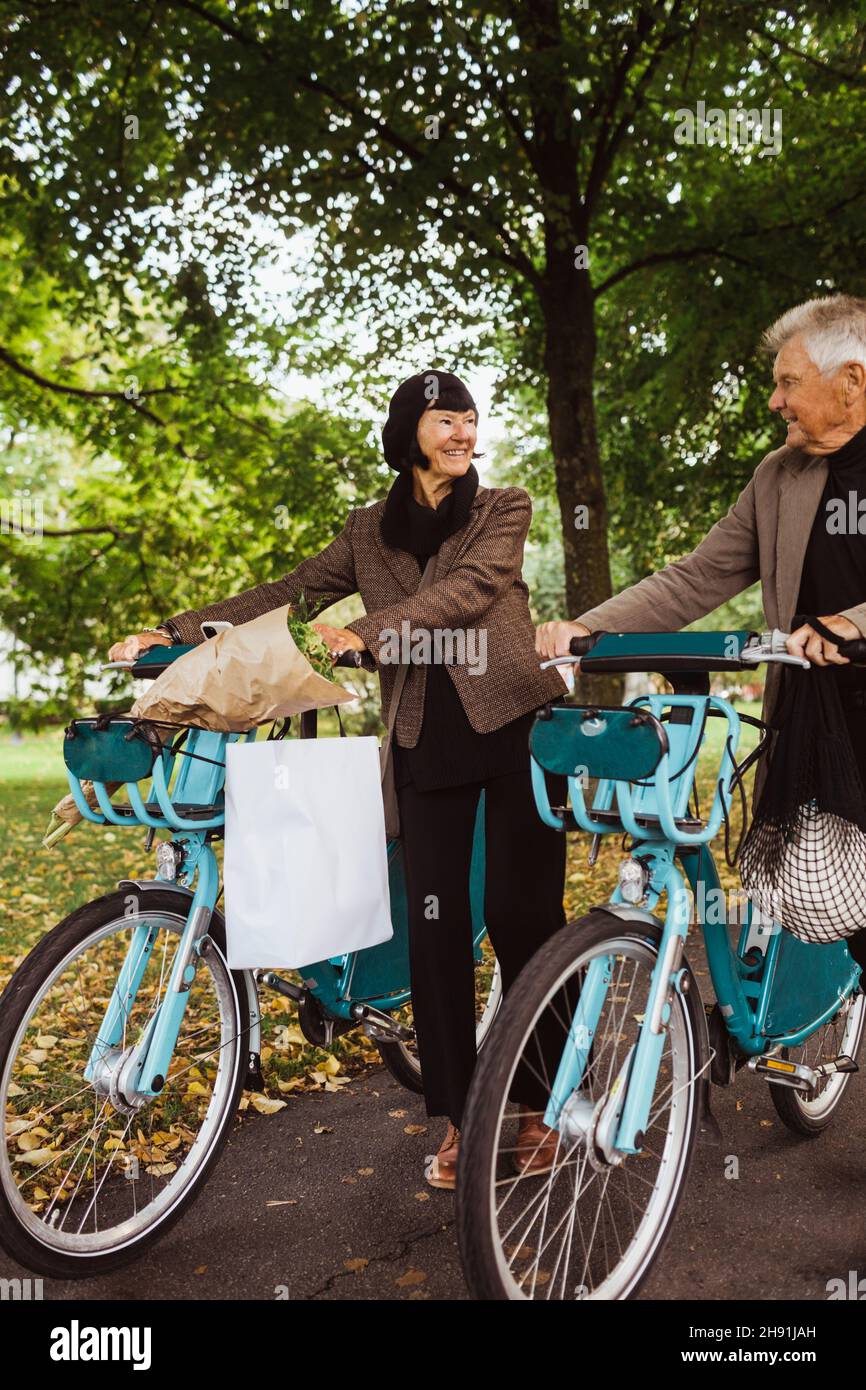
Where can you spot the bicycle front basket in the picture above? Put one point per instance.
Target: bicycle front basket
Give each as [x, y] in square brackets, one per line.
[115, 750]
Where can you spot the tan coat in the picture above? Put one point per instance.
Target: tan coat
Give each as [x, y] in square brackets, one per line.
[477, 584]
[763, 536]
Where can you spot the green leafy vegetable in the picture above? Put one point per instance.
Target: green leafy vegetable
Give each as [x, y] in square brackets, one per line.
[308, 641]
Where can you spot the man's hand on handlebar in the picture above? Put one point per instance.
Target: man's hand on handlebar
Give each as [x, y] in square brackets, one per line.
[131, 647]
[552, 639]
[806, 642]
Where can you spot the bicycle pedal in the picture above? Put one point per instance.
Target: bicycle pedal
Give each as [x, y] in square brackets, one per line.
[842, 1063]
[797, 1076]
[783, 1073]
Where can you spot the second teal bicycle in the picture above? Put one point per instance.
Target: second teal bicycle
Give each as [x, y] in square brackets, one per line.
[607, 1016]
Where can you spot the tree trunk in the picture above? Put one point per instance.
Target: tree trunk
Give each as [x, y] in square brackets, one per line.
[569, 359]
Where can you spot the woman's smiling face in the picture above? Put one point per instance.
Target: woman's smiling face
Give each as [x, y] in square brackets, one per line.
[447, 439]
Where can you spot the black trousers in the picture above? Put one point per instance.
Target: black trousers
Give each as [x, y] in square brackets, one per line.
[524, 885]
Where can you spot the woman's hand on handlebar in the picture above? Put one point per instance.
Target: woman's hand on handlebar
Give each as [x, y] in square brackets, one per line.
[552, 639]
[339, 639]
[806, 642]
[131, 647]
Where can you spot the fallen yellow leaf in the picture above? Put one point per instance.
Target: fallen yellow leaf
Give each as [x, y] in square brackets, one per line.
[267, 1105]
[36, 1156]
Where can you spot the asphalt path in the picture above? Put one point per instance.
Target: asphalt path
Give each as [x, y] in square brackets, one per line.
[326, 1200]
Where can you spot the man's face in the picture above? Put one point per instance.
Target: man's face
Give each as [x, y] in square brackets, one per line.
[817, 408]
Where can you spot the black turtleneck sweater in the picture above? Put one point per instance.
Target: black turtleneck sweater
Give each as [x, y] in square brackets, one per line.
[834, 566]
[449, 752]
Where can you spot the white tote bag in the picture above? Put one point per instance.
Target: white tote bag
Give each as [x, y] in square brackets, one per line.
[305, 868]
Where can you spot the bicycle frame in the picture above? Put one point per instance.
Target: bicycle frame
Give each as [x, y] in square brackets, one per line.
[763, 1000]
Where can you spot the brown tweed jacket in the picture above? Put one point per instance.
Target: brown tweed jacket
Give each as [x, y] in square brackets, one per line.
[763, 536]
[477, 585]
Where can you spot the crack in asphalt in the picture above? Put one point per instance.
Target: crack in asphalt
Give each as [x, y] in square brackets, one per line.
[387, 1258]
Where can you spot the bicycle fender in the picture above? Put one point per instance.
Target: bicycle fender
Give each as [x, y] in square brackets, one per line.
[628, 913]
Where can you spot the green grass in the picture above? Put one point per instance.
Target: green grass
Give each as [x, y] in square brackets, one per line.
[37, 757]
[39, 887]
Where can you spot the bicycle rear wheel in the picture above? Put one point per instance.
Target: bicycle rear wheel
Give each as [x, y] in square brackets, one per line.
[590, 1228]
[809, 1114]
[402, 1059]
[88, 1181]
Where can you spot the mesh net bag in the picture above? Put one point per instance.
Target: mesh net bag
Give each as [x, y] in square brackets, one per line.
[803, 860]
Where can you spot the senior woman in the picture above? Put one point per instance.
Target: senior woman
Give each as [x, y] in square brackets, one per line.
[459, 727]
[799, 525]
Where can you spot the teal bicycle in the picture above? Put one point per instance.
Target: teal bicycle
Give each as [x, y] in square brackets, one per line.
[126, 1041]
[607, 1016]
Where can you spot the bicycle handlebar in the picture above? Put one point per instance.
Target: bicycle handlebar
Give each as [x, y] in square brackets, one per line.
[771, 648]
[153, 661]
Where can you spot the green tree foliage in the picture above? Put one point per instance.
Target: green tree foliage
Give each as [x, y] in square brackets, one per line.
[166, 475]
[480, 184]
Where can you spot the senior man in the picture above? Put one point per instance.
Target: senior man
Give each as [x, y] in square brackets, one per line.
[795, 526]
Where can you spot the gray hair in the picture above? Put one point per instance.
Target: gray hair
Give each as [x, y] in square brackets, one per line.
[833, 330]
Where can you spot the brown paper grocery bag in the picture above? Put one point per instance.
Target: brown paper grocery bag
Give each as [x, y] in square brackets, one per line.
[245, 676]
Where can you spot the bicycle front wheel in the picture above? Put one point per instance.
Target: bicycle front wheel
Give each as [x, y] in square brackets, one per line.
[89, 1180]
[593, 1224]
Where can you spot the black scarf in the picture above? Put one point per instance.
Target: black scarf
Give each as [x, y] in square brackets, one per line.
[408, 525]
[834, 565]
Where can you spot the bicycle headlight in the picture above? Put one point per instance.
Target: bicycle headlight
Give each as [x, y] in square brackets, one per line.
[166, 861]
[633, 880]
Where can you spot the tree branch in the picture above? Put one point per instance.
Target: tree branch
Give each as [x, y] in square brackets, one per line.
[841, 73]
[694, 252]
[609, 140]
[114, 531]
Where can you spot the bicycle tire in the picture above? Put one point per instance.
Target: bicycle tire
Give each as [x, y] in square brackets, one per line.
[809, 1118]
[476, 1193]
[24, 985]
[405, 1067]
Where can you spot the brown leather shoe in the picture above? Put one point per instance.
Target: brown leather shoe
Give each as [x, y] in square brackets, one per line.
[536, 1144]
[441, 1171]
